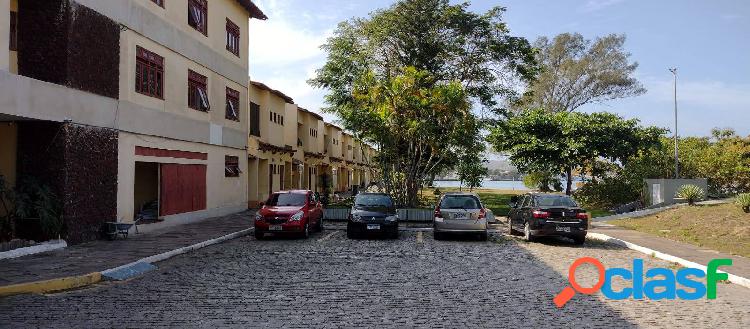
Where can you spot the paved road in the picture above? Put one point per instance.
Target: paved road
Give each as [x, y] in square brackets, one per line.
[329, 281]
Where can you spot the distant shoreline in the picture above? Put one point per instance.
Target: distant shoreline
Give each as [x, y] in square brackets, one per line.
[487, 180]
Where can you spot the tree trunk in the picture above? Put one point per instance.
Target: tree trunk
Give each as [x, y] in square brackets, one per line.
[569, 183]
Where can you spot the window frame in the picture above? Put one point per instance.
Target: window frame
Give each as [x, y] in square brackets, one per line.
[232, 166]
[202, 6]
[233, 37]
[199, 83]
[149, 63]
[254, 119]
[233, 100]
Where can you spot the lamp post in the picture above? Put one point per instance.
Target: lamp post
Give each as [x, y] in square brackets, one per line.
[676, 149]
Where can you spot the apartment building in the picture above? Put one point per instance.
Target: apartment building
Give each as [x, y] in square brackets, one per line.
[271, 143]
[120, 104]
[311, 141]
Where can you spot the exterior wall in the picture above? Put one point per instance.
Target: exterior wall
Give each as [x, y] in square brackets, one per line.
[5, 7]
[175, 14]
[63, 42]
[142, 17]
[334, 132]
[347, 147]
[175, 99]
[222, 192]
[79, 163]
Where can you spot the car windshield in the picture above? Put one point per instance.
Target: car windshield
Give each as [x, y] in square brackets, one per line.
[373, 200]
[286, 199]
[555, 201]
[460, 202]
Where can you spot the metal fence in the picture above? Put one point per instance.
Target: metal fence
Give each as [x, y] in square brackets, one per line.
[407, 214]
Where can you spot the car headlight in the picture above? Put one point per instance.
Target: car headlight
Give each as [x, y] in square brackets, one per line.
[392, 218]
[356, 218]
[298, 216]
[258, 217]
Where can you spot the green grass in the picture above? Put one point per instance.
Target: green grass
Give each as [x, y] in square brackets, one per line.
[723, 228]
[496, 200]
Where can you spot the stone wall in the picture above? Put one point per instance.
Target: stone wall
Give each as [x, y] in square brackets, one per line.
[80, 164]
[63, 42]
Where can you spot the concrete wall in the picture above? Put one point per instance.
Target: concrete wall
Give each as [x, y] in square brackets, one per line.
[175, 99]
[664, 190]
[168, 26]
[222, 192]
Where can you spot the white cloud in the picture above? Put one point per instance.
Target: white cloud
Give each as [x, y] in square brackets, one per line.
[280, 40]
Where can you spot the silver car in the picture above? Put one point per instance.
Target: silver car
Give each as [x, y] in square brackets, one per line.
[459, 212]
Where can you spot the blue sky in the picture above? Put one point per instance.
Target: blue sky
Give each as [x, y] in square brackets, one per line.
[708, 41]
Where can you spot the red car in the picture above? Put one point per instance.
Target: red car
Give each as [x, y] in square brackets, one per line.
[289, 212]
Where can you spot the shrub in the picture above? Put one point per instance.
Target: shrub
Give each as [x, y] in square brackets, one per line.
[437, 192]
[743, 199]
[691, 193]
[607, 193]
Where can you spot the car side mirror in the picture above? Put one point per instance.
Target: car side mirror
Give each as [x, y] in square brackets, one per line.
[262, 204]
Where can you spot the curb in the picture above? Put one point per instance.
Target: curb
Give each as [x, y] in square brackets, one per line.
[52, 285]
[119, 273]
[31, 250]
[137, 268]
[674, 259]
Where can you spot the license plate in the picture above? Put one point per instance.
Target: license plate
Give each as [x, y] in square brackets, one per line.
[275, 228]
[562, 229]
[373, 226]
[460, 216]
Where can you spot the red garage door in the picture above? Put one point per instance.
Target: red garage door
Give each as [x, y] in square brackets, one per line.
[183, 188]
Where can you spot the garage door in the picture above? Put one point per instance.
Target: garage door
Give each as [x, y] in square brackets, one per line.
[183, 188]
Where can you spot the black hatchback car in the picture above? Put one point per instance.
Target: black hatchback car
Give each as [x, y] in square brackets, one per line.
[372, 213]
[537, 214]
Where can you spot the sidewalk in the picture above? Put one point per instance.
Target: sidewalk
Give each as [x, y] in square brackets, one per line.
[100, 255]
[740, 265]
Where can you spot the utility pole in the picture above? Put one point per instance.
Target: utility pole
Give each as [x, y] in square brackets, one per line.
[676, 149]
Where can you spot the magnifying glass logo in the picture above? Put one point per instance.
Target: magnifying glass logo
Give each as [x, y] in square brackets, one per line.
[567, 293]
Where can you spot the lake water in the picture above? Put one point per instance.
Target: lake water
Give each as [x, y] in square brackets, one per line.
[491, 184]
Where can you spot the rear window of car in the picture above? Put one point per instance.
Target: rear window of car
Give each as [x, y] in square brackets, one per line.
[555, 201]
[460, 202]
[286, 199]
[373, 200]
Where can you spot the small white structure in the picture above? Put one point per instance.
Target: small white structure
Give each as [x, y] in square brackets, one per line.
[662, 191]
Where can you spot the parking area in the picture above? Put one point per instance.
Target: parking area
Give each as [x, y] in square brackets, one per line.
[331, 281]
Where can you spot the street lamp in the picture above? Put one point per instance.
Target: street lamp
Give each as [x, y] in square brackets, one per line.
[676, 149]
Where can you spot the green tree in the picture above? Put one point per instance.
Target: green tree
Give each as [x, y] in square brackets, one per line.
[563, 142]
[577, 72]
[471, 168]
[404, 79]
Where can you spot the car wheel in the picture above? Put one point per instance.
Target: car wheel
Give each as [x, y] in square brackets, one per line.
[319, 226]
[527, 233]
[393, 234]
[511, 230]
[483, 236]
[438, 235]
[579, 240]
[259, 235]
[350, 234]
[306, 232]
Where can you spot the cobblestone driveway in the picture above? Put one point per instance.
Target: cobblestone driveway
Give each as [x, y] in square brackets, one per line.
[329, 281]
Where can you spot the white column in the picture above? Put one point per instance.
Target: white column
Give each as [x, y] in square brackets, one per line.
[335, 179]
[301, 174]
